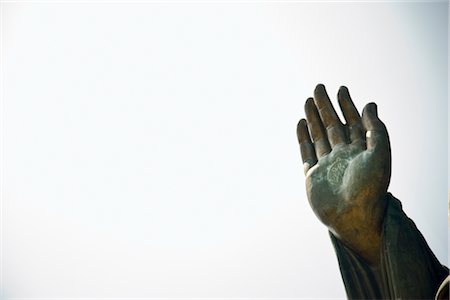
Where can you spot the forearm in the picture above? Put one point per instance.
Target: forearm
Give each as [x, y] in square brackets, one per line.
[408, 268]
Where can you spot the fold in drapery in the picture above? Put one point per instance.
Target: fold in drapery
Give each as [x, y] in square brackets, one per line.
[408, 268]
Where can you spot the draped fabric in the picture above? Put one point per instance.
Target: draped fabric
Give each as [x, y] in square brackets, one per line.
[408, 268]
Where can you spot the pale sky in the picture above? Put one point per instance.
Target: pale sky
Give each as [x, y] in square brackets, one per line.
[149, 149]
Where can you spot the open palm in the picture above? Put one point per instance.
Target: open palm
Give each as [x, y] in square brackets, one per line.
[347, 169]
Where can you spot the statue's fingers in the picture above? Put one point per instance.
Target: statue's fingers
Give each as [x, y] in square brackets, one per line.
[377, 138]
[306, 147]
[330, 120]
[351, 115]
[316, 128]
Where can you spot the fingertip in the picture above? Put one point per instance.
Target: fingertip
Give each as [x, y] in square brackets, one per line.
[321, 96]
[308, 102]
[319, 87]
[302, 130]
[301, 124]
[343, 91]
[301, 127]
[370, 109]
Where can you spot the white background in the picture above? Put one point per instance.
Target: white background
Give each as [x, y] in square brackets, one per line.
[149, 149]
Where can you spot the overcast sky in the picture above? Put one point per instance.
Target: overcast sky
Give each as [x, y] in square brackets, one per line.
[149, 149]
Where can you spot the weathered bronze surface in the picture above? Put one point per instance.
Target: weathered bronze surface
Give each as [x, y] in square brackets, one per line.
[348, 166]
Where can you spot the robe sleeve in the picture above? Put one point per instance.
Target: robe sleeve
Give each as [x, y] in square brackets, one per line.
[408, 268]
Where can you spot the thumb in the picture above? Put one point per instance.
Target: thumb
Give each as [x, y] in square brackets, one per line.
[377, 138]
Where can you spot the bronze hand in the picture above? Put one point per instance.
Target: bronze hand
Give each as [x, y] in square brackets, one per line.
[347, 169]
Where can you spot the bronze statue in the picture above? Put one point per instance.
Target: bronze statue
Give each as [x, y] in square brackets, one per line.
[381, 253]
